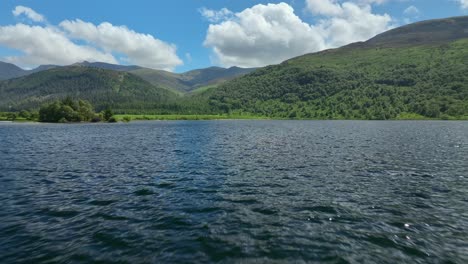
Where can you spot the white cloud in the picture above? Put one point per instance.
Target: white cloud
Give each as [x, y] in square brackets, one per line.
[333, 7]
[353, 23]
[464, 4]
[46, 45]
[76, 41]
[272, 33]
[141, 49]
[215, 15]
[28, 12]
[261, 35]
[412, 11]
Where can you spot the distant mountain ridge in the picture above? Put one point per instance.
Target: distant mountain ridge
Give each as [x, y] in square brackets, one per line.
[107, 66]
[191, 80]
[212, 75]
[181, 82]
[9, 70]
[429, 32]
[425, 32]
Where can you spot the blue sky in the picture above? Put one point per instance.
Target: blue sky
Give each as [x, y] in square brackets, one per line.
[178, 29]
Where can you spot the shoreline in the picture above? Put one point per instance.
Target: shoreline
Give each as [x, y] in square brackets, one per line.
[120, 117]
[120, 120]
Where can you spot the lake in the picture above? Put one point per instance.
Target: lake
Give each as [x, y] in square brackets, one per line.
[234, 191]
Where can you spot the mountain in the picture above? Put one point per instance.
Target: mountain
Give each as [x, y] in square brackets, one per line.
[183, 82]
[191, 80]
[8, 71]
[436, 31]
[162, 78]
[116, 89]
[107, 66]
[212, 75]
[41, 68]
[413, 71]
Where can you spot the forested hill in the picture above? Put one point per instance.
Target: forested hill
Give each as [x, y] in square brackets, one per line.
[103, 88]
[179, 82]
[416, 70]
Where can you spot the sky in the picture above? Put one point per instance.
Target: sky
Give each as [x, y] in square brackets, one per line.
[181, 35]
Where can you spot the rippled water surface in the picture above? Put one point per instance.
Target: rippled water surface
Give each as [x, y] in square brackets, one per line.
[234, 191]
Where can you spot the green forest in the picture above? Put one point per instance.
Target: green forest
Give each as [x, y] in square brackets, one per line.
[370, 83]
[67, 110]
[102, 88]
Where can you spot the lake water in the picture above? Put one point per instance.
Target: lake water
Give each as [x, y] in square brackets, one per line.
[234, 191]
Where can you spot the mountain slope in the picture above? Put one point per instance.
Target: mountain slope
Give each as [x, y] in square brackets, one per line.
[161, 78]
[8, 71]
[426, 32]
[183, 82]
[107, 66]
[119, 90]
[212, 75]
[378, 79]
[191, 80]
[41, 68]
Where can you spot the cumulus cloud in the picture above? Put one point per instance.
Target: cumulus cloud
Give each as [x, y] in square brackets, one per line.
[272, 33]
[354, 22]
[215, 15]
[46, 45]
[140, 49]
[28, 12]
[260, 35]
[76, 41]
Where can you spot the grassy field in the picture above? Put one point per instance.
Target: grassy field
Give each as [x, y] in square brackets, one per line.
[413, 116]
[19, 119]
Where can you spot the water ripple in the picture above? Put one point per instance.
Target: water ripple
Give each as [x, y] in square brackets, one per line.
[234, 191]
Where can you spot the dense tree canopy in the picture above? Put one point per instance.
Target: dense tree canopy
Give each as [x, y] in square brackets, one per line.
[67, 110]
[102, 88]
[347, 83]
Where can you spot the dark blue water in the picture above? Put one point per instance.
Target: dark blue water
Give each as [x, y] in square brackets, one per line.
[234, 191]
